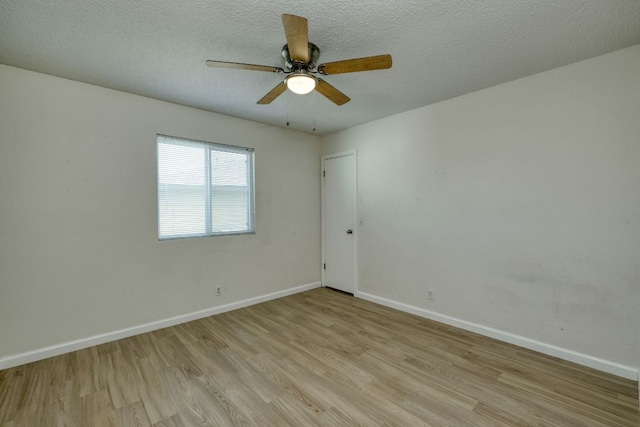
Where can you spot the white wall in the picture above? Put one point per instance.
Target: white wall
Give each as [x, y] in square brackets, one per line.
[79, 254]
[519, 205]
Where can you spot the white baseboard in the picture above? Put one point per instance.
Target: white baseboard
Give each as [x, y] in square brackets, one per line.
[55, 350]
[613, 368]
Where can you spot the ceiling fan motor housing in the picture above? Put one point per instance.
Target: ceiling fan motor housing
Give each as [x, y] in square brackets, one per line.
[291, 65]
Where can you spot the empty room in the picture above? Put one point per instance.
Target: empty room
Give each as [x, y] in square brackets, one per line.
[218, 213]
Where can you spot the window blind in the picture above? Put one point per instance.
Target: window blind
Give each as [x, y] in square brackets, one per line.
[204, 189]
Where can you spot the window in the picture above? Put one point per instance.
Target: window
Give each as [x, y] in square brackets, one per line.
[204, 189]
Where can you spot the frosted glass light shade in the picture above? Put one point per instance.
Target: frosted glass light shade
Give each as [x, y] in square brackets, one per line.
[301, 83]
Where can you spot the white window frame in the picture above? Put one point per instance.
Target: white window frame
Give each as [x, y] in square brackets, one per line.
[210, 146]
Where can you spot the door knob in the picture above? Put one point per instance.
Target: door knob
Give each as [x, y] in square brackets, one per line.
[349, 231]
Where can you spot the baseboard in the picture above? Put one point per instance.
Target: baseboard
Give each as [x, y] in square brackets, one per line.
[613, 368]
[55, 350]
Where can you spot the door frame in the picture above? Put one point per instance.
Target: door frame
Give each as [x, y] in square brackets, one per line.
[356, 231]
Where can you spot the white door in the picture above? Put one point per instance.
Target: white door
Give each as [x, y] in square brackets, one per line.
[339, 213]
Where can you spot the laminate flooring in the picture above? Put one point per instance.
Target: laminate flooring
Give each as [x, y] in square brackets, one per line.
[318, 358]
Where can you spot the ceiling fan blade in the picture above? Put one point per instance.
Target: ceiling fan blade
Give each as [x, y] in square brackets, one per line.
[332, 93]
[273, 94]
[379, 62]
[241, 66]
[297, 32]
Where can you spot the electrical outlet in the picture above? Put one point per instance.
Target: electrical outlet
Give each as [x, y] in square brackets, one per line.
[431, 295]
[218, 291]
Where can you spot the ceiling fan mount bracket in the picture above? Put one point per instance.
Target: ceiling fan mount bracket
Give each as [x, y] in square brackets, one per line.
[291, 65]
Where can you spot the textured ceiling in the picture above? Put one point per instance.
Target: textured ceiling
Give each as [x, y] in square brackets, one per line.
[440, 48]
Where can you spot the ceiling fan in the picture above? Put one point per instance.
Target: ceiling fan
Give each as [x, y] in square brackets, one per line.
[299, 58]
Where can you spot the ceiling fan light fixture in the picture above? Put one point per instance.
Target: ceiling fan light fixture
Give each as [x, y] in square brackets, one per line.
[300, 82]
[299, 58]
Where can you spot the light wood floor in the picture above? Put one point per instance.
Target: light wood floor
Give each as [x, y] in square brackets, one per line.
[320, 358]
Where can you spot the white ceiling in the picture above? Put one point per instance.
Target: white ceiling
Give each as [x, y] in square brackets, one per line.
[440, 48]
